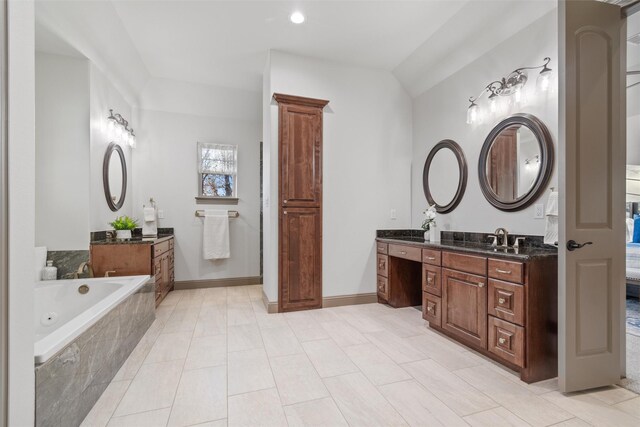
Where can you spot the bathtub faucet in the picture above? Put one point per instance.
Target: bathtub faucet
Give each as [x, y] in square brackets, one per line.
[85, 267]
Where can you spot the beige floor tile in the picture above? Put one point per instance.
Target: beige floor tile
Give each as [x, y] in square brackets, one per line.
[458, 395]
[206, 352]
[360, 402]
[130, 367]
[163, 313]
[311, 334]
[573, 422]
[301, 319]
[514, 397]
[398, 349]
[173, 346]
[212, 320]
[217, 423]
[145, 419]
[296, 379]
[498, 417]
[342, 333]
[631, 406]
[171, 299]
[265, 320]
[377, 366]
[328, 359]
[591, 410]
[362, 321]
[244, 337]
[255, 292]
[323, 315]
[105, 406]
[436, 350]
[240, 312]
[214, 297]
[400, 327]
[249, 370]
[419, 406]
[153, 387]
[181, 321]
[201, 397]
[259, 408]
[612, 394]
[540, 387]
[281, 342]
[317, 413]
[239, 292]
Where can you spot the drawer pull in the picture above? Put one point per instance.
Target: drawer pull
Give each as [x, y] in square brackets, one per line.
[430, 280]
[503, 271]
[481, 284]
[403, 253]
[502, 300]
[381, 265]
[431, 258]
[381, 248]
[502, 340]
[430, 309]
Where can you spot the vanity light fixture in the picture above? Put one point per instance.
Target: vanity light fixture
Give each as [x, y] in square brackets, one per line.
[508, 90]
[297, 17]
[118, 128]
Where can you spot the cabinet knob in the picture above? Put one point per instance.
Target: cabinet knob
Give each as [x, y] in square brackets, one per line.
[285, 212]
[430, 280]
[502, 340]
[430, 309]
[284, 201]
[481, 284]
[501, 300]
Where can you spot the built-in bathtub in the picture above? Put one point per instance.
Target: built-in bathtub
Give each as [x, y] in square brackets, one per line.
[85, 330]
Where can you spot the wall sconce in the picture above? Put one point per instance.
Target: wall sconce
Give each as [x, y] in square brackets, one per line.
[118, 129]
[508, 90]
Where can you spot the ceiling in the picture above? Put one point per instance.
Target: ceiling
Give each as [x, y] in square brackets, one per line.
[225, 43]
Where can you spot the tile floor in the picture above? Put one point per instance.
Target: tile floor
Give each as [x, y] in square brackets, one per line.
[214, 357]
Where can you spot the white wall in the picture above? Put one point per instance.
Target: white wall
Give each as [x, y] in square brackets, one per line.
[21, 211]
[440, 113]
[62, 152]
[103, 96]
[366, 165]
[173, 118]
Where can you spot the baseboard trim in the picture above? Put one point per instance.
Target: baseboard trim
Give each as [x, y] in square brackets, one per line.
[327, 302]
[217, 283]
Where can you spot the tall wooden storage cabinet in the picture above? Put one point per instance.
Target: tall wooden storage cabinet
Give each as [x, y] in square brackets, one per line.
[300, 202]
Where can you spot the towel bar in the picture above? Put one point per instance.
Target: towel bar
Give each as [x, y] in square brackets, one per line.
[232, 214]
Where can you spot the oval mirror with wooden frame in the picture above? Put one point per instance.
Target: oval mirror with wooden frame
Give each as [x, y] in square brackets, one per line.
[114, 176]
[516, 162]
[444, 177]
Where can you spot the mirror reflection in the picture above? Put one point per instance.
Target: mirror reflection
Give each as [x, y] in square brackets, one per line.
[115, 177]
[513, 163]
[444, 170]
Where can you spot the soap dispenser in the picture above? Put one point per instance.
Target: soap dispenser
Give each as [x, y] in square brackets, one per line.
[49, 272]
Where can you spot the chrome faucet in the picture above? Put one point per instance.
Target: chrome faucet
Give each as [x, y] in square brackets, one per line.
[505, 237]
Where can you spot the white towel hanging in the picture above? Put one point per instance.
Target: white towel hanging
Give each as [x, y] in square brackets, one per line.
[215, 235]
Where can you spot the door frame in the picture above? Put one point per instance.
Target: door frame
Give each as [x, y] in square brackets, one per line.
[4, 221]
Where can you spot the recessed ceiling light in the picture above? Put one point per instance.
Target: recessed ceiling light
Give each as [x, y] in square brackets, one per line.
[297, 17]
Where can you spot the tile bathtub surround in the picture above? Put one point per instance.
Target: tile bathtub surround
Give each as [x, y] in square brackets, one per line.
[69, 384]
[68, 262]
[356, 365]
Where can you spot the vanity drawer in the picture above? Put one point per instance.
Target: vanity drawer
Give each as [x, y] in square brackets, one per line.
[431, 257]
[432, 279]
[382, 248]
[383, 265]
[171, 243]
[467, 263]
[383, 287]
[506, 341]
[506, 301]
[506, 270]
[407, 252]
[160, 248]
[431, 309]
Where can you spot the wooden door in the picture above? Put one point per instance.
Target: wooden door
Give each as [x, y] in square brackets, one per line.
[503, 163]
[592, 49]
[300, 259]
[300, 197]
[464, 306]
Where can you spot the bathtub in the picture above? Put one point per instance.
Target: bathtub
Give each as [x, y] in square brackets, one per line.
[62, 313]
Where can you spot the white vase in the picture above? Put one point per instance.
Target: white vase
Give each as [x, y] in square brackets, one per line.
[427, 236]
[123, 234]
[435, 234]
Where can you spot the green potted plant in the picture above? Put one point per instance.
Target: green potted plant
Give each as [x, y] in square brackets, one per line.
[123, 226]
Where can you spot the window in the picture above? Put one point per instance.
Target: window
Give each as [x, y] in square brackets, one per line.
[217, 168]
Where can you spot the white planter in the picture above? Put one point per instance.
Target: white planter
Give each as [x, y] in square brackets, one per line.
[435, 234]
[427, 236]
[123, 234]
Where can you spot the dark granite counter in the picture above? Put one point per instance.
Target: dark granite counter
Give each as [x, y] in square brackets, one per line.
[470, 243]
[104, 238]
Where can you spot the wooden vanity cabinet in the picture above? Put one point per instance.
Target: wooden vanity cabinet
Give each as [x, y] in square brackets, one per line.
[503, 308]
[155, 258]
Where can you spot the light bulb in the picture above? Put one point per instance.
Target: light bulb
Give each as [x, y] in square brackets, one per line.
[493, 103]
[544, 78]
[472, 114]
[132, 141]
[297, 17]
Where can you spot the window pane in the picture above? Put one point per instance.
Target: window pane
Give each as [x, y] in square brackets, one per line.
[217, 185]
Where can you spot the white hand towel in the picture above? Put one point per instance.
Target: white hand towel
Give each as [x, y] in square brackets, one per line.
[149, 213]
[551, 221]
[215, 238]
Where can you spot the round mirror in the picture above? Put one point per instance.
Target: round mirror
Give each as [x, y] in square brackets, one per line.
[444, 177]
[114, 176]
[515, 162]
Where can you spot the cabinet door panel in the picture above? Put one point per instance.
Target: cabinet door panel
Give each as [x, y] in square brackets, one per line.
[300, 151]
[301, 259]
[432, 279]
[464, 306]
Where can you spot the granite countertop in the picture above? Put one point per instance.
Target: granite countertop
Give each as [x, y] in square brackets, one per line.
[470, 244]
[102, 238]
